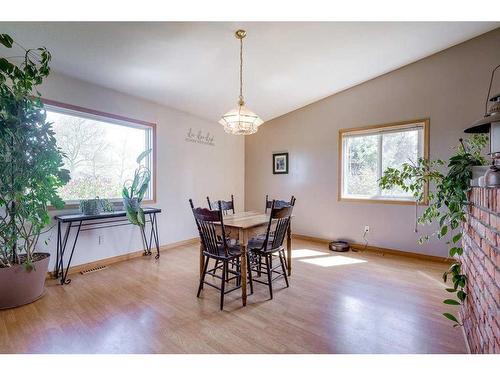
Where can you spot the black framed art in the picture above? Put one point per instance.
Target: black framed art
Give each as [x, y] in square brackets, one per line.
[280, 163]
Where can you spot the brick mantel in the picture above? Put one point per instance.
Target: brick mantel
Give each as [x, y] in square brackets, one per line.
[481, 263]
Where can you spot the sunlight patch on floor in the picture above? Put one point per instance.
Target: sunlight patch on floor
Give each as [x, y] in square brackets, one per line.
[304, 253]
[332, 260]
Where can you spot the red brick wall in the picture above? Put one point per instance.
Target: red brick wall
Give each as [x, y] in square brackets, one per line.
[481, 263]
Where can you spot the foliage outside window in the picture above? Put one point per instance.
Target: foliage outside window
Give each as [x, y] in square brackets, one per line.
[100, 153]
[365, 153]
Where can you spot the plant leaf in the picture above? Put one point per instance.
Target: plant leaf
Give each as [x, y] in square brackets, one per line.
[451, 302]
[456, 237]
[142, 155]
[461, 295]
[451, 317]
[6, 40]
[141, 219]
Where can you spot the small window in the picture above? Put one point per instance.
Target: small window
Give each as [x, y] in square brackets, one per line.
[365, 153]
[101, 151]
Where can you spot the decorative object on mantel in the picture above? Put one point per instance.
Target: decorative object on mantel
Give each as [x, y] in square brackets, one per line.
[448, 204]
[134, 190]
[490, 123]
[280, 163]
[31, 170]
[241, 120]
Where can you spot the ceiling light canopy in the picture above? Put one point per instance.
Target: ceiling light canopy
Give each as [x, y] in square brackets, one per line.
[241, 120]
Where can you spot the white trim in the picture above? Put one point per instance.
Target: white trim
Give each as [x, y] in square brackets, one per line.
[379, 132]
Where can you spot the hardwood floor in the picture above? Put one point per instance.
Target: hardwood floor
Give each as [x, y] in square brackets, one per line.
[336, 303]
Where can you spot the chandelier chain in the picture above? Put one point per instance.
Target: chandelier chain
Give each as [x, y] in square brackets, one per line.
[241, 70]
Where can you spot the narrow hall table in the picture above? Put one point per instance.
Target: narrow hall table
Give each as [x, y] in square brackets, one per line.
[243, 226]
[84, 223]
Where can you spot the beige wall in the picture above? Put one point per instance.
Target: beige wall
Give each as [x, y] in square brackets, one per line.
[449, 88]
[185, 170]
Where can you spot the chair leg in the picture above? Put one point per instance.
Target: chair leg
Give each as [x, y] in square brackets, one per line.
[259, 267]
[283, 268]
[269, 276]
[216, 265]
[202, 277]
[224, 271]
[249, 269]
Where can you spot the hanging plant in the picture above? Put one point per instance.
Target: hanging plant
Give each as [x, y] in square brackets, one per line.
[447, 203]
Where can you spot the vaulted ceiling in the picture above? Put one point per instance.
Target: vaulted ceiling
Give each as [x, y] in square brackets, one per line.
[193, 66]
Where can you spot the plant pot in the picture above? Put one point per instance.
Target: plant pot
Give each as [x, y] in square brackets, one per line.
[132, 203]
[19, 287]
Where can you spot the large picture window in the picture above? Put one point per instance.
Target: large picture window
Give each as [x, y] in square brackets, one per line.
[365, 153]
[101, 151]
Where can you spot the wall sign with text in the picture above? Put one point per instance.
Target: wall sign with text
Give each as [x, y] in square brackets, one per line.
[200, 137]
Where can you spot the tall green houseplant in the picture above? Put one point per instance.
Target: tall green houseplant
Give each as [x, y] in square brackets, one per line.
[448, 202]
[31, 164]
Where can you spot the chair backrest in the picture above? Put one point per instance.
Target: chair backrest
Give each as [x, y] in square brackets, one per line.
[280, 220]
[279, 203]
[206, 221]
[227, 206]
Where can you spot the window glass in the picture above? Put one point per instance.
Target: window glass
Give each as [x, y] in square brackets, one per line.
[100, 153]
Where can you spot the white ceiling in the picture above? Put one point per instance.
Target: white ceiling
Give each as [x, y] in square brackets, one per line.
[193, 66]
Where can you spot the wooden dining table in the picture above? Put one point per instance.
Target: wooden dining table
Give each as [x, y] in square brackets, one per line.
[243, 226]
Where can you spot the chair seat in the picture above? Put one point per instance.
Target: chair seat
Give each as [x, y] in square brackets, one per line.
[255, 244]
[234, 251]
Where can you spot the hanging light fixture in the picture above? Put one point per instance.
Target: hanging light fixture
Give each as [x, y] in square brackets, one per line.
[241, 120]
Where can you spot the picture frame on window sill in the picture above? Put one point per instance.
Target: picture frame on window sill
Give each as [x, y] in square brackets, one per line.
[280, 163]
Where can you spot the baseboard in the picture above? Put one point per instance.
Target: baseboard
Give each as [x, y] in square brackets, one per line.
[381, 250]
[123, 257]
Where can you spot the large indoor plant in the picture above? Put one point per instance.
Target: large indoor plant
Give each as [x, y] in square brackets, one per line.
[447, 201]
[31, 172]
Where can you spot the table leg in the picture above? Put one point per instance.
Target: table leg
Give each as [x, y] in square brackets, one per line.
[62, 248]
[64, 276]
[289, 248]
[55, 274]
[157, 239]
[244, 273]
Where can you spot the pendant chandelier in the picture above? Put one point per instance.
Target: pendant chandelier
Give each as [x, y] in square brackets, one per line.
[241, 120]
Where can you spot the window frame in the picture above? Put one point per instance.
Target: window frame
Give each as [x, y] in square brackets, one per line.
[116, 119]
[425, 122]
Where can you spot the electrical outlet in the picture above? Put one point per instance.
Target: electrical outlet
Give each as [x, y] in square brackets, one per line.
[100, 240]
[367, 228]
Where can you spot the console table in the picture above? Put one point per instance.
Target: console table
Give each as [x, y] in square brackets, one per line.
[103, 220]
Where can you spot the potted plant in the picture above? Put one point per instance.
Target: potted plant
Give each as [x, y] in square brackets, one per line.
[134, 190]
[31, 172]
[447, 202]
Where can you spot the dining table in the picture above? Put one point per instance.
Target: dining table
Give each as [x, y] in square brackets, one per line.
[243, 226]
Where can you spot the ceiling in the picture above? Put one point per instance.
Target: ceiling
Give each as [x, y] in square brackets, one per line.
[193, 66]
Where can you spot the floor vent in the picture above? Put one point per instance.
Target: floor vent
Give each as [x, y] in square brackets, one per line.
[95, 269]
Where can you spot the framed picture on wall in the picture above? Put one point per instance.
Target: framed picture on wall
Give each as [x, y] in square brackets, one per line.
[280, 163]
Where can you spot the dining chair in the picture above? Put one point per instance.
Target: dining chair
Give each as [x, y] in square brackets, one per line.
[227, 206]
[279, 203]
[217, 248]
[262, 253]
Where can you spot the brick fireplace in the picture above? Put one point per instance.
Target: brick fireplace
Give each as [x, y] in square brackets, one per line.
[481, 263]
